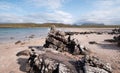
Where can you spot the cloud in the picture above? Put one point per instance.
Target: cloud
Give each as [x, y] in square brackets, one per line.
[9, 18]
[6, 7]
[56, 16]
[50, 4]
[13, 13]
[60, 16]
[105, 11]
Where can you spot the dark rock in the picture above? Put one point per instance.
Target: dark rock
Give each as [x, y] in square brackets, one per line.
[96, 62]
[42, 64]
[116, 31]
[11, 37]
[52, 29]
[110, 40]
[58, 41]
[60, 33]
[92, 42]
[90, 69]
[84, 50]
[31, 36]
[24, 52]
[48, 59]
[72, 33]
[17, 42]
[11, 72]
[99, 33]
[117, 39]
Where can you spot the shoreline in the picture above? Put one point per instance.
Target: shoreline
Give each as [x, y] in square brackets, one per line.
[12, 39]
[106, 51]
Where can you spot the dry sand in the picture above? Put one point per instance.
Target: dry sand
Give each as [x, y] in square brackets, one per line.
[9, 62]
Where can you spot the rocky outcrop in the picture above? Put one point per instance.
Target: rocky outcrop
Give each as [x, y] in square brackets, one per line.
[49, 59]
[90, 69]
[24, 52]
[55, 62]
[46, 65]
[59, 41]
[117, 38]
[92, 64]
[116, 31]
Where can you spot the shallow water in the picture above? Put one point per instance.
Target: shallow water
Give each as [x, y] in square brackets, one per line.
[14, 34]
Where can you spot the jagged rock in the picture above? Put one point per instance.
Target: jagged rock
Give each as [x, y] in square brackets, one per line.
[96, 62]
[60, 33]
[72, 33]
[24, 52]
[63, 69]
[57, 40]
[42, 64]
[52, 29]
[50, 60]
[116, 31]
[90, 69]
[117, 39]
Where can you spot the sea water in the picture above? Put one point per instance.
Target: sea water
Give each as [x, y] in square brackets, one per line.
[14, 34]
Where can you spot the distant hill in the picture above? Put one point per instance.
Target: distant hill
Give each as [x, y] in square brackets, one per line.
[27, 25]
[31, 25]
[93, 24]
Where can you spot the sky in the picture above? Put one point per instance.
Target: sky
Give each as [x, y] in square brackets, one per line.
[60, 11]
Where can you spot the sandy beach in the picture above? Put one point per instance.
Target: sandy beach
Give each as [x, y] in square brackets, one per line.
[9, 62]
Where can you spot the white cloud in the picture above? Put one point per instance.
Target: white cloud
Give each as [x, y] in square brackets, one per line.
[60, 16]
[106, 11]
[5, 6]
[9, 18]
[9, 7]
[51, 4]
[13, 13]
[56, 16]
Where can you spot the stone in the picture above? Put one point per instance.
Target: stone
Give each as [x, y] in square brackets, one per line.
[63, 68]
[17, 42]
[12, 38]
[31, 36]
[58, 41]
[49, 58]
[96, 62]
[24, 53]
[52, 29]
[60, 33]
[117, 39]
[107, 67]
[116, 31]
[47, 65]
[92, 42]
[90, 69]
[76, 50]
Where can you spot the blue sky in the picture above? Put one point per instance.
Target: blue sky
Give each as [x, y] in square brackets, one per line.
[60, 11]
